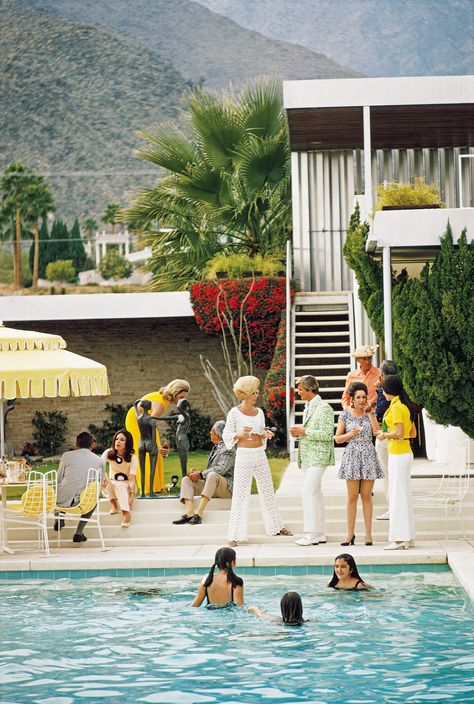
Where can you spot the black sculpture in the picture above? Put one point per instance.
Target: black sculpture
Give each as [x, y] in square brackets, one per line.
[147, 442]
[182, 428]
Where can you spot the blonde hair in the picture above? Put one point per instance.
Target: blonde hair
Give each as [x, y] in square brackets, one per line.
[173, 388]
[246, 385]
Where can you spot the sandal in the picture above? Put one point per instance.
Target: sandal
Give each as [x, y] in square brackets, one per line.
[232, 543]
[113, 511]
[126, 524]
[284, 531]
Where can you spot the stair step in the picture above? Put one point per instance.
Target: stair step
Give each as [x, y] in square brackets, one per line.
[322, 344]
[326, 323]
[324, 356]
[339, 333]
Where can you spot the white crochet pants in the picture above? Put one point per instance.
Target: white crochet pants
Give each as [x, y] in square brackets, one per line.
[252, 462]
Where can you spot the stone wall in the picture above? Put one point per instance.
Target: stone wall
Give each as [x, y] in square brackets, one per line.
[141, 355]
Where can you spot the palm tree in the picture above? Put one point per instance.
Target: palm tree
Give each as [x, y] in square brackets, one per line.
[90, 226]
[13, 183]
[110, 215]
[38, 202]
[227, 186]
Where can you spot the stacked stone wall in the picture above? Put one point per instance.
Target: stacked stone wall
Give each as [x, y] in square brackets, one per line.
[141, 355]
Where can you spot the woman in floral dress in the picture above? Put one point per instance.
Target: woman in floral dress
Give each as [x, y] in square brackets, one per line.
[359, 466]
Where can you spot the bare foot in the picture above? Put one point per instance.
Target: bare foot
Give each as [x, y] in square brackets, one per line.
[232, 543]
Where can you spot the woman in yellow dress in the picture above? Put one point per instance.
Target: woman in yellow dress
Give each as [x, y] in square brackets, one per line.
[160, 400]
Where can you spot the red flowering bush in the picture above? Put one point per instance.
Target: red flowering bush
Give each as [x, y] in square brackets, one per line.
[274, 390]
[218, 304]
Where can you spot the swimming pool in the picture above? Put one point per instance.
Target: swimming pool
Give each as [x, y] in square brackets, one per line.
[110, 639]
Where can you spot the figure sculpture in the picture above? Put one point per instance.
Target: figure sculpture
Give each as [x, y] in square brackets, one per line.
[182, 429]
[147, 442]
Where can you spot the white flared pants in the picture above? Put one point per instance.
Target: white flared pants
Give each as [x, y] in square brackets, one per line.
[312, 500]
[402, 520]
[382, 453]
[252, 462]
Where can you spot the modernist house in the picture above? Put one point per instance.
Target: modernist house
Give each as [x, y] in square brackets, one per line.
[347, 137]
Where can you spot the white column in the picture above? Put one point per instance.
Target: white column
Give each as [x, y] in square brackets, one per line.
[387, 302]
[367, 159]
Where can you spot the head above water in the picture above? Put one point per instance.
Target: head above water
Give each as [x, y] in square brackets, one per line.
[351, 563]
[291, 608]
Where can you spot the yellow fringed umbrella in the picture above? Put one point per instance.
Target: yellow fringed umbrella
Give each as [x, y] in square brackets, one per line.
[37, 365]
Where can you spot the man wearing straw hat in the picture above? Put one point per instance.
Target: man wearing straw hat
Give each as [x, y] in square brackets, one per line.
[366, 373]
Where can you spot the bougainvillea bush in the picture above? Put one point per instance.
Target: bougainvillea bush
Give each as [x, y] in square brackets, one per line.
[264, 298]
[274, 390]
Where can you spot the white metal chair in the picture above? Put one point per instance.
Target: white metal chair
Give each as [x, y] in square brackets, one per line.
[89, 498]
[454, 484]
[36, 503]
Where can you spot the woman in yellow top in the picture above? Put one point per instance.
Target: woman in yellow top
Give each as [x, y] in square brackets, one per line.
[399, 419]
[149, 481]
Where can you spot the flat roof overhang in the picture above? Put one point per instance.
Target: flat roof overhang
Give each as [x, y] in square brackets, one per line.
[96, 306]
[405, 113]
[414, 235]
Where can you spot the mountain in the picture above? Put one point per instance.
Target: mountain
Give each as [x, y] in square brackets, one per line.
[73, 98]
[80, 78]
[375, 37]
[202, 45]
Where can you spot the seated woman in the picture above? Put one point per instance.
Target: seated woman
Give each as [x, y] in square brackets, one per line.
[346, 575]
[291, 608]
[123, 466]
[224, 588]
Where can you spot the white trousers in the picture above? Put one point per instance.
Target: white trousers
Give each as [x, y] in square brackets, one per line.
[252, 462]
[381, 448]
[402, 520]
[313, 503]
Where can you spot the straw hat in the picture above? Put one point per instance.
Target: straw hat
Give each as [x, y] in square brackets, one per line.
[365, 351]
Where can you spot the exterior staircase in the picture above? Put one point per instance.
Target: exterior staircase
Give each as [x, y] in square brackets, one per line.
[322, 341]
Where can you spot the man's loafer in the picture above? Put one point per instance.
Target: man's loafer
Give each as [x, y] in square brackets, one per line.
[307, 541]
[79, 538]
[184, 519]
[195, 520]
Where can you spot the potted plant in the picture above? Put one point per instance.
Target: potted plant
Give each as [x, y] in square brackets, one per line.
[402, 196]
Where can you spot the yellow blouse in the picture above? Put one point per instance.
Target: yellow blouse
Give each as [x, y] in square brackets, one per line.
[398, 413]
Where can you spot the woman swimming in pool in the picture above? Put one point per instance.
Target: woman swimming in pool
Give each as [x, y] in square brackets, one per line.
[346, 575]
[225, 587]
[291, 610]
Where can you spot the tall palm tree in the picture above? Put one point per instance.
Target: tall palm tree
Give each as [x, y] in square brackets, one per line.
[110, 215]
[226, 188]
[90, 226]
[38, 202]
[13, 183]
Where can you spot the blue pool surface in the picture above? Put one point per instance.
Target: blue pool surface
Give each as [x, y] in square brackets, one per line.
[117, 639]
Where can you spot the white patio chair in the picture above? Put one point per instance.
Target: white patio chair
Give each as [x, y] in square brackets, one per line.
[454, 484]
[36, 504]
[89, 498]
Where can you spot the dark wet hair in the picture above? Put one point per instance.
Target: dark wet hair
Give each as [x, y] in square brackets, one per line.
[112, 453]
[352, 568]
[355, 387]
[291, 609]
[223, 561]
[393, 385]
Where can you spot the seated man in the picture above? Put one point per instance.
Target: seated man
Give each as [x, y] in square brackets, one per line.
[215, 481]
[72, 479]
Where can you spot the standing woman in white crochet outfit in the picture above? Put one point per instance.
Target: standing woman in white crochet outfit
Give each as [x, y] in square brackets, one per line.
[245, 427]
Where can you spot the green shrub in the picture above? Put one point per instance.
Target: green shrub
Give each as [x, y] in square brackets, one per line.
[405, 194]
[114, 266]
[237, 266]
[198, 435]
[50, 431]
[61, 270]
[104, 433]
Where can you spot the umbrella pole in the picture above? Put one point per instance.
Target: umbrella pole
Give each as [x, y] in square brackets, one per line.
[2, 429]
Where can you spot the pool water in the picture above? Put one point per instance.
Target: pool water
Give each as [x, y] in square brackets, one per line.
[137, 640]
